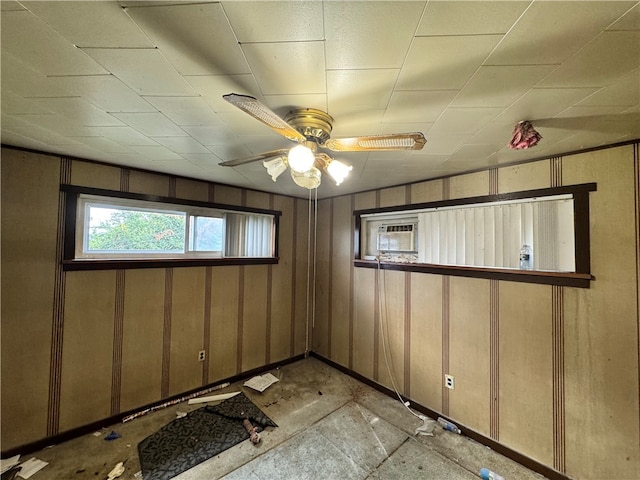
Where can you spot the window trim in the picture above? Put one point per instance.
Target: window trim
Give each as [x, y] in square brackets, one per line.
[580, 278]
[70, 263]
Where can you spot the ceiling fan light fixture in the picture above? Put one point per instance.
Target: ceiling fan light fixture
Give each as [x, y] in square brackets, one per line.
[338, 171]
[275, 167]
[301, 158]
[310, 179]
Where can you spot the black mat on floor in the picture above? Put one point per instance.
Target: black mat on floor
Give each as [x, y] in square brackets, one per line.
[202, 434]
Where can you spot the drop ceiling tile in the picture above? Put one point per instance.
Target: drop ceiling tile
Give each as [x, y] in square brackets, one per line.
[26, 37]
[291, 21]
[43, 135]
[91, 24]
[155, 152]
[350, 91]
[27, 82]
[288, 68]
[625, 91]
[469, 17]
[213, 87]
[463, 120]
[203, 159]
[499, 86]
[8, 121]
[611, 55]
[540, 103]
[229, 151]
[196, 38]
[103, 144]
[61, 125]
[82, 112]
[369, 34]
[185, 110]
[590, 111]
[145, 71]
[14, 104]
[363, 122]
[550, 32]
[124, 135]
[444, 144]
[629, 21]
[418, 107]
[479, 154]
[241, 123]
[151, 124]
[495, 133]
[181, 144]
[211, 134]
[439, 63]
[104, 91]
[10, 6]
[283, 104]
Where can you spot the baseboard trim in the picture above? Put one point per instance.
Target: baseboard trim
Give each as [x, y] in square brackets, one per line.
[514, 455]
[105, 422]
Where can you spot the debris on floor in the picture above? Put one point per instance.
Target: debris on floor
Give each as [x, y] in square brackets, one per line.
[487, 474]
[261, 382]
[253, 431]
[116, 472]
[447, 425]
[112, 436]
[426, 428]
[7, 463]
[31, 466]
[213, 398]
[175, 401]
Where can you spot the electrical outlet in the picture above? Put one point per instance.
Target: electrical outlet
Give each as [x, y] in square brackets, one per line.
[448, 381]
[201, 355]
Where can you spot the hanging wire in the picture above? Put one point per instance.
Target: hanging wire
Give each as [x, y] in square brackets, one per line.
[384, 328]
[306, 345]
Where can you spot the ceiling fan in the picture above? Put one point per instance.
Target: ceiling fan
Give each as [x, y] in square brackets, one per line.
[311, 128]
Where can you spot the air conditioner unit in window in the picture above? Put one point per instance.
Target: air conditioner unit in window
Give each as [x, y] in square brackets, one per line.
[397, 238]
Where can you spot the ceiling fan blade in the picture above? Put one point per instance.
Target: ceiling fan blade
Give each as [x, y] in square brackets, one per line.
[263, 156]
[372, 143]
[262, 113]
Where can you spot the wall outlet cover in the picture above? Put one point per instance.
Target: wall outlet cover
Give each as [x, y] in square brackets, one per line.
[201, 355]
[449, 381]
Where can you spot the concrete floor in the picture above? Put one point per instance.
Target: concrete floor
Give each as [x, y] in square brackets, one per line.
[330, 426]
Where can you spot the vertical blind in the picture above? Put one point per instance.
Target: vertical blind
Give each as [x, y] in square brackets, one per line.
[492, 235]
[249, 235]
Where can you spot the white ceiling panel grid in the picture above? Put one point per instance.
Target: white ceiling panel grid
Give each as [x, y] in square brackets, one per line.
[140, 83]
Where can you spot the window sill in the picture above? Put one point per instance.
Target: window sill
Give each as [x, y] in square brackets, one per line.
[567, 279]
[73, 265]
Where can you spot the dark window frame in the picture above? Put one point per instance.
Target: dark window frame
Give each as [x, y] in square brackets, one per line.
[70, 263]
[580, 278]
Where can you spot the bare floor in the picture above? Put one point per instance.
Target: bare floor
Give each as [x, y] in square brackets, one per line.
[330, 426]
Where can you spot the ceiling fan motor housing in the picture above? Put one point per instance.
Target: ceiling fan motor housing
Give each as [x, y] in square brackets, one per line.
[314, 124]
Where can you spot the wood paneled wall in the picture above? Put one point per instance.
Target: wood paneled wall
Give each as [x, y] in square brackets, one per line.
[550, 372]
[82, 346]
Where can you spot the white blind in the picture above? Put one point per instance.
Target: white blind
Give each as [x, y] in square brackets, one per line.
[492, 235]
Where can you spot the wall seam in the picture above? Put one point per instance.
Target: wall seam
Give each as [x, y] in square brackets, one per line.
[294, 273]
[636, 172]
[351, 283]
[267, 349]
[57, 324]
[330, 275]
[118, 338]
[494, 355]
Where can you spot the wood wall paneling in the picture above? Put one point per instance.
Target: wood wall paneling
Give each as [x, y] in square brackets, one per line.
[526, 370]
[470, 185]
[322, 296]
[192, 189]
[142, 338]
[254, 319]
[430, 191]
[187, 327]
[601, 339]
[95, 175]
[341, 258]
[527, 176]
[393, 196]
[85, 396]
[30, 191]
[426, 340]
[222, 352]
[227, 194]
[281, 289]
[302, 292]
[149, 183]
[391, 344]
[469, 360]
[363, 321]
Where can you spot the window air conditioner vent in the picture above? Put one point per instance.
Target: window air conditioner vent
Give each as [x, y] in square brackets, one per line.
[397, 238]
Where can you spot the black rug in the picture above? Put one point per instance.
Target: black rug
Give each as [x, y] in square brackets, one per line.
[202, 434]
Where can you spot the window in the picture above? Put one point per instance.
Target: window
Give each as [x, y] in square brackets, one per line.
[540, 232]
[124, 227]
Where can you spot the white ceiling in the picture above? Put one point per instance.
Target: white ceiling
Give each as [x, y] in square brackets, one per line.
[140, 83]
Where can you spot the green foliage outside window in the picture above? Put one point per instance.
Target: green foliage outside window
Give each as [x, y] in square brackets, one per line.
[130, 230]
